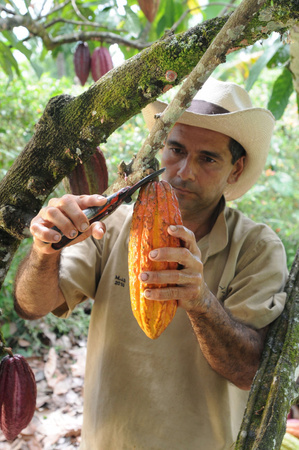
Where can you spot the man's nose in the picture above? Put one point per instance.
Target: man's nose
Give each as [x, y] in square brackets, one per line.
[186, 170]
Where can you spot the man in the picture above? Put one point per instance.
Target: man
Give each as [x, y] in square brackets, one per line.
[187, 389]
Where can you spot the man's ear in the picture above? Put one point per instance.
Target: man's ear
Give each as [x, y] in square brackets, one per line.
[237, 170]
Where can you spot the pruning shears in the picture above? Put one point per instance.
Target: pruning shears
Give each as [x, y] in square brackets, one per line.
[96, 213]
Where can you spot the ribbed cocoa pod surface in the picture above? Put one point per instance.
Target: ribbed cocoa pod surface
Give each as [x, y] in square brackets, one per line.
[149, 8]
[82, 62]
[101, 62]
[155, 209]
[89, 178]
[17, 395]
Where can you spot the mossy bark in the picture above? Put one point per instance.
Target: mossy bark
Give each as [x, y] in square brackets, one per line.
[274, 389]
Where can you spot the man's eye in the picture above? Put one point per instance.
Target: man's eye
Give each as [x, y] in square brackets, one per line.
[209, 160]
[176, 150]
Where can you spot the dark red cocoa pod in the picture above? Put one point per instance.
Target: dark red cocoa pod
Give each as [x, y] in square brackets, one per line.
[101, 62]
[82, 62]
[17, 395]
[89, 178]
[149, 8]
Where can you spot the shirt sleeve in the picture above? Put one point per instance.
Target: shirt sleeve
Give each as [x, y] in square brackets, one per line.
[255, 295]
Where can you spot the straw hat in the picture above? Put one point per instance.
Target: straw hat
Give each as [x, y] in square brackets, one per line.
[226, 107]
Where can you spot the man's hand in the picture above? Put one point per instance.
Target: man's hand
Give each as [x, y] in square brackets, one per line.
[37, 289]
[188, 283]
[66, 214]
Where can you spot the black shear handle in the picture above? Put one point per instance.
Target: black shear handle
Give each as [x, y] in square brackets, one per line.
[65, 240]
[93, 214]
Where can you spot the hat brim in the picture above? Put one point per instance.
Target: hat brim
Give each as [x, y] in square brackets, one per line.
[252, 128]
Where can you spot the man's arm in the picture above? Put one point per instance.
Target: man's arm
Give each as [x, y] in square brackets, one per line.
[231, 348]
[37, 289]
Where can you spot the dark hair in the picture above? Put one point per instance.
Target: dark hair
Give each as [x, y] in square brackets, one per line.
[236, 150]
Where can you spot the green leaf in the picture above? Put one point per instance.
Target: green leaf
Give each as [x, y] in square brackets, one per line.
[5, 331]
[261, 64]
[169, 12]
[282, 89]
[18, 45]
[27, 3]
[127, 51]
[132, 22]
[281, 57]
[7, 60]
[212, 9]
[37, 68]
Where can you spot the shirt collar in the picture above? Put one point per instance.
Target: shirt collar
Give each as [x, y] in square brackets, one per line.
[216, 240]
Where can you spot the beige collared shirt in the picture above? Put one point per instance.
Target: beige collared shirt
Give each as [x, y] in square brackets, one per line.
[162, 394]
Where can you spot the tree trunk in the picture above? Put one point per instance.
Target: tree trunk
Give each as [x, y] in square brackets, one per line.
[274, 389]
[72, 127]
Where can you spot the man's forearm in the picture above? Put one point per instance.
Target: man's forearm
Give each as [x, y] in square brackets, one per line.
[36, 287]
[232, 348]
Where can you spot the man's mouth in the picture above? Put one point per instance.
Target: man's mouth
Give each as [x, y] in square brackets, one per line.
[182, 190]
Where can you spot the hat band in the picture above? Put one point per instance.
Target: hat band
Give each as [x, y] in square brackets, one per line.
[203, 107]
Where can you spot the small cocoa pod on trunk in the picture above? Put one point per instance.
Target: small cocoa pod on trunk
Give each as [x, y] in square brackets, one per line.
[17, 395]
[155, 209]
[101, 62]
[82, 62]
[88, 178]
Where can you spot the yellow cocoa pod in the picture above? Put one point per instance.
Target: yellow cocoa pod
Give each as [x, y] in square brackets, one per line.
[156, 208]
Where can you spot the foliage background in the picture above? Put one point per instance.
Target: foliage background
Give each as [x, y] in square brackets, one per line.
[273, 200]
[32, 75]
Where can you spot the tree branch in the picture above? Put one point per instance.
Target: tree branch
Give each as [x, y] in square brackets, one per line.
[75, 22]
[274, 388]
[8, 11]
[108, 37]
[39, 15]
[39, 30]
[57, 8]
[77, 10]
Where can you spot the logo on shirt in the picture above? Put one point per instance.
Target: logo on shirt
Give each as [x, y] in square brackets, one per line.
[119, 281]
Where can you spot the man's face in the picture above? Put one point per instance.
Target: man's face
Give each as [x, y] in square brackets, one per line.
[198, 166]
